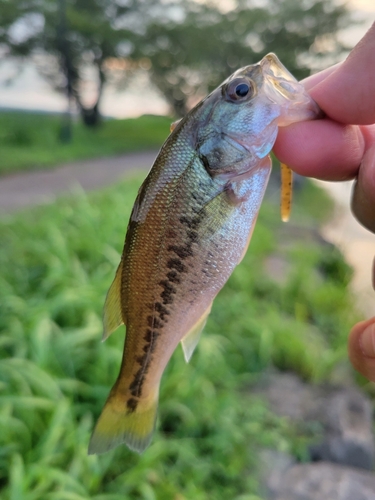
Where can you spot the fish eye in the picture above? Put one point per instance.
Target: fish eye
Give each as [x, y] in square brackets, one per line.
[239, 89]
[242, 89]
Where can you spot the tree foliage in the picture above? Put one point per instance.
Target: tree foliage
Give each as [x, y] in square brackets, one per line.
[68, 38]
[189, 46]
[191, 55]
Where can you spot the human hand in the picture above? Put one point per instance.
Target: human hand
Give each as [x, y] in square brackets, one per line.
[340, 147]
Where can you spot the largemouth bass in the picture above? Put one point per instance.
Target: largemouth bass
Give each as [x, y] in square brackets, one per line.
[190, 226]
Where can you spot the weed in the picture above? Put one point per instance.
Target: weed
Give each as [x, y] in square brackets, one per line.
[57, 262]
[29, 141]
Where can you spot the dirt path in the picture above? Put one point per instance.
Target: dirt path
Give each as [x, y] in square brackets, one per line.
[33, 188]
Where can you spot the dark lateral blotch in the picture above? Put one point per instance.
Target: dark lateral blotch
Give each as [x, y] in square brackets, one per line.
[154, 322]
[181, 251]
[193, 236]
[173, 277]
[176, 264]
[168, 292]
[150, 337]
[163, 311]
[131, 404]
[190, 223]
[136, 386]
[141, 359]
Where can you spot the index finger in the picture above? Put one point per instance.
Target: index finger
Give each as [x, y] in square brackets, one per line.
[347, 94]
[323, 148]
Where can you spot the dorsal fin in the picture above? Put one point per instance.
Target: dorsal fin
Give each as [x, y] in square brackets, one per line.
[112, 316]
[190, 340]
[174, 124]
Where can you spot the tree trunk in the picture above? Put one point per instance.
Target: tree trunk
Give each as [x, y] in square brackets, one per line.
[178, 106]
[91, 116]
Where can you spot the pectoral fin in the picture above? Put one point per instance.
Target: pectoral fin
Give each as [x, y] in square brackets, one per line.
[112, 317]
[214, 215]
[191, 339]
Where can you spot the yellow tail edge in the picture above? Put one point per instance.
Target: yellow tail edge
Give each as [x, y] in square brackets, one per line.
[118, 424]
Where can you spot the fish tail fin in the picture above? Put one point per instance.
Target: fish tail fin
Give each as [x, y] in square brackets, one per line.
[130, 421]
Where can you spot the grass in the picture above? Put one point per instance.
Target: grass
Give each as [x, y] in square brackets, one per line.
[57, 262]
[31, 141]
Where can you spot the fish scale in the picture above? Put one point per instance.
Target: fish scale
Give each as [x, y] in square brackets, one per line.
[190, 226]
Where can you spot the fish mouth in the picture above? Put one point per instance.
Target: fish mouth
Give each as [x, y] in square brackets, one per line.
[282, 88]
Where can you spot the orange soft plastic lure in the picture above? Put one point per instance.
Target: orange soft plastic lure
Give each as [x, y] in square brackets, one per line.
[286, 191]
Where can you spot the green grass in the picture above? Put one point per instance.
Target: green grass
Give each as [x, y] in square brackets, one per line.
[31, 141]
[57, 262]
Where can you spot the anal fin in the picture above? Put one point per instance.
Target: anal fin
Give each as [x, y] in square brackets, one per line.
[112, 316]
[190, 340]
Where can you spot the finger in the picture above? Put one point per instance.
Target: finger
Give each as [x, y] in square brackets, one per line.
[323, 149]
[347, 94]
[363, 195]
[313, 80]
[362, 348]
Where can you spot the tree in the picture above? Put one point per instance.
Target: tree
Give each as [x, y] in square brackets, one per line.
[68, 38]
[189, 45]
[191, 54]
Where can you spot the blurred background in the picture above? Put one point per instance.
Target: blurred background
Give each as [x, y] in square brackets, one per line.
[88, 89]
[123, 51]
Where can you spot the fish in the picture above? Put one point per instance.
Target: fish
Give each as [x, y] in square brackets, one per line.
[190, 227]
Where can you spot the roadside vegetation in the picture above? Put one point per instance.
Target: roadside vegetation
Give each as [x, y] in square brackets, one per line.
[31, 141]
[57, 263]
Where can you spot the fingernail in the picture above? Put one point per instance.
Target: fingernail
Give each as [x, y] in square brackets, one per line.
[367, 341]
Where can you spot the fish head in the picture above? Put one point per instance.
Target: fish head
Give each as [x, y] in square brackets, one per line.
[238, 122]
[280, 87]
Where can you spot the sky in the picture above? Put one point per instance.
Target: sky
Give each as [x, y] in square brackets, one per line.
[30, 91]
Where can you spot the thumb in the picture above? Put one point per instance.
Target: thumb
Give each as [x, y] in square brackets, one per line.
[363, 196]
